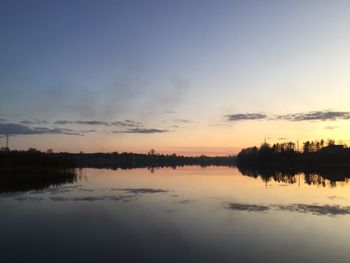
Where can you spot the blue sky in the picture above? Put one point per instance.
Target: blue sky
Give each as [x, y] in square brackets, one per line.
[176, 69]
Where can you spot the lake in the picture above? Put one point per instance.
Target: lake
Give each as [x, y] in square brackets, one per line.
[188, 214]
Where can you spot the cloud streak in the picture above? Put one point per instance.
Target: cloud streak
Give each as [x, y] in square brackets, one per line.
[26, 127]
[142, 131]
[94, 123]
[245, 116]
[127, 123]
[20, 129]
[295, 117]
[183, 121]
[33, 122]
[316, 116]
[124, 123]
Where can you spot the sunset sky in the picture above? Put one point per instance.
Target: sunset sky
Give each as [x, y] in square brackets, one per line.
[189, 77]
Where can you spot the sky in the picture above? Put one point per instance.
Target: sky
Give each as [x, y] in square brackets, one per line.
[191, 77]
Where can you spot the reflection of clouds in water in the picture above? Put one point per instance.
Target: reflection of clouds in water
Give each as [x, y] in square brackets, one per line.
[122, 198]
[59, 198]
[11, 195]
[59, 191]
[130, 194]
[133, 194]
[29, 198]
[314, 209]
[247, 207]
[86, 190]
[186, 201]
[56, 190]
[140, 190]
[32, 195]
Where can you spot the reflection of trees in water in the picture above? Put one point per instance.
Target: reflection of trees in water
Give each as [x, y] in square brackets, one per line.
[329, 174]
[316, 179]
[312, 176]
[284, 178]
[14, 181]
[267, 174]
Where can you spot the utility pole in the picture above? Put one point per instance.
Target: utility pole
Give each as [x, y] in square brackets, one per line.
[7, 141]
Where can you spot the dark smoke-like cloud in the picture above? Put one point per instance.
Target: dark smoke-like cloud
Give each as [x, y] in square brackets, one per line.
[33, 122]
[316, 116]
[142, 131]
[295, 117]
[94, 123]
[20, 129]
[124, 123]
[183, 121]
[127, 123]
[245, 116]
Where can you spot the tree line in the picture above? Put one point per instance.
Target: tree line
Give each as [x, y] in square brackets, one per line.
[33, 158]
[313, 153]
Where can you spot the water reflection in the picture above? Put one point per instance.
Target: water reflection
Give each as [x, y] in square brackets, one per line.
[311, 176]
[315, 209]
[13, 181]
[185, 215]
[20, 181]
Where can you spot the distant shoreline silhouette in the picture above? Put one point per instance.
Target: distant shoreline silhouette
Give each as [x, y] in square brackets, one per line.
[34, 159]
[317, 160]
[36, 170]
[285, 155]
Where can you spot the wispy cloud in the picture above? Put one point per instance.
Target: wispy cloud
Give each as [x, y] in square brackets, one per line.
[126, 126]
[90, 122]
[316, 116]
[142, 131]
[88, 131]
[325, 115]
[20, 129]
[127, 123]
[124, 123]
[183, 121]
[33, 122]
[245, 116]
[62, 122]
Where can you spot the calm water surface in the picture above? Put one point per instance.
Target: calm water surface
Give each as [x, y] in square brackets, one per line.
[177, 215]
